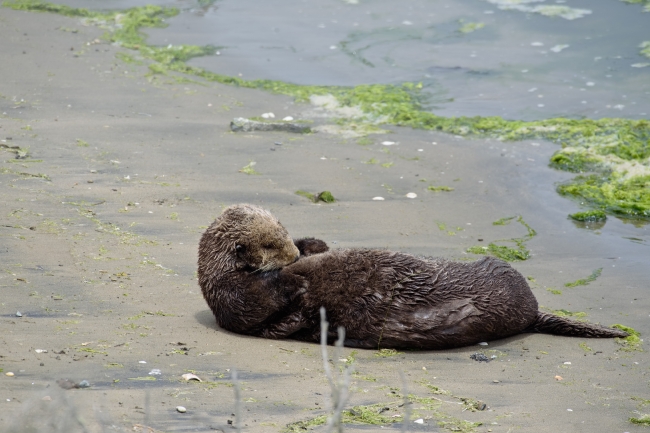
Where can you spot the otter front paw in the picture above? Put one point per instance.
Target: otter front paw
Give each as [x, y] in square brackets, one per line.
[310, 246]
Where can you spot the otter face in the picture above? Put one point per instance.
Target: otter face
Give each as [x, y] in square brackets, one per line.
[258, 240]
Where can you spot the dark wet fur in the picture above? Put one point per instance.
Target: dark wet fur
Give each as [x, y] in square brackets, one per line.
[383, 299]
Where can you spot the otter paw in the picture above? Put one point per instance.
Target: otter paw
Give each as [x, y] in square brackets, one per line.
[311, 246]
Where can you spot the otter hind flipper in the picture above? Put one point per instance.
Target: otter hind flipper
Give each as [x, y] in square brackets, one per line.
[551, 324]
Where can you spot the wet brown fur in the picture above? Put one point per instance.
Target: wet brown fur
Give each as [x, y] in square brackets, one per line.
[257, 281]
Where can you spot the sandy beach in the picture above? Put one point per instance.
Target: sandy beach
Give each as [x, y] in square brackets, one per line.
[108, 177]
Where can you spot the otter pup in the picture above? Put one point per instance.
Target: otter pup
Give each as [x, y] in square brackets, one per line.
[257, 281]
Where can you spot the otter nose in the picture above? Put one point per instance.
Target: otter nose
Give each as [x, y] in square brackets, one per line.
[296, 258]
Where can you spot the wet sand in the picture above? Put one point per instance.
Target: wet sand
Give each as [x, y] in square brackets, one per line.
[100, 224]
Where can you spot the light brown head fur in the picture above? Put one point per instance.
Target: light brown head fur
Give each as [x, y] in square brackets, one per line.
[246, 237]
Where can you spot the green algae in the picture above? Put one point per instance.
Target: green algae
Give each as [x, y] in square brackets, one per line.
[643, 419]
[324, 196]
[584, 347]
[589, 216]
[387, 353]
[616, 193]
[248, 169]
[503, 252]
[584, 281]
[469, 27]
[631, 343]
[614, 148]
[439, 188]
[567, 313]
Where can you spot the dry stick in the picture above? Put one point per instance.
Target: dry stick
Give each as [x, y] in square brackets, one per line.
[407, 404]
[340, 389]
[235, 385]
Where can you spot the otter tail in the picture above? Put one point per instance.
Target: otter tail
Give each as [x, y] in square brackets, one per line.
[551, 324]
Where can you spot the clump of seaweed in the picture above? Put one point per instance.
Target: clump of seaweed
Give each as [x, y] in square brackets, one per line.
[589, 216]
[507, 253]
[631, 343]
[324, 196]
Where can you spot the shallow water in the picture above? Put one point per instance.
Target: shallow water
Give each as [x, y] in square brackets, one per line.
[520, 65]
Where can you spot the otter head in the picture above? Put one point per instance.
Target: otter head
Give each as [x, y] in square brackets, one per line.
[248, 237]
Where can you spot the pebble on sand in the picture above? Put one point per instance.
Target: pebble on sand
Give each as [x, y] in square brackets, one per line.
[181, 409]
[378, 198]
[411, 195]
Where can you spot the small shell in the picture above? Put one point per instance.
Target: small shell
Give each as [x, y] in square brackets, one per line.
[558, 378]
[9, 373]
[190, 376]
[378, 198]
[181, 409]
[388, 143]
[411, 195]
[419, 421]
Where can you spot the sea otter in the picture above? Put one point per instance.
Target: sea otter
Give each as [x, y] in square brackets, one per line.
[257, 281]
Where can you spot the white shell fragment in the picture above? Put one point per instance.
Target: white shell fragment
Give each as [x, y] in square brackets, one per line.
[9, 374]
[411, 195]
[190, 376]
[181, 409]
[155, 372]
[483, 343]
[268, 116]
[288, 119]
[378, 198]
[388, 143]
[40, 350]
[567, 363]
[558, 48]
[419, 421]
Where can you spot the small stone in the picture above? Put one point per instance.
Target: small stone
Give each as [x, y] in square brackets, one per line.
[287, 119]
[181, 409]
[268, 116]
[9, 373]
[558, 378]
[388, 143]
[411, 195]
[83, 384]
[567, 363]
[482, 343]
[419, 421]
[378, 198]
[19, 314]
[40, 350]
[495, 381]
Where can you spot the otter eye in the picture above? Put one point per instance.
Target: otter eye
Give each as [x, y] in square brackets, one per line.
[239, 248]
